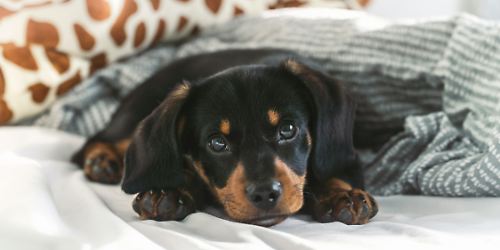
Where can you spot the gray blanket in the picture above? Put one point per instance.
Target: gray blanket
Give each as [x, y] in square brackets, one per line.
[432, 87]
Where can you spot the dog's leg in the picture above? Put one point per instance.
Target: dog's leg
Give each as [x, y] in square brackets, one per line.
[336, 200]
[103, 161]
[102, 155]
[171, 204]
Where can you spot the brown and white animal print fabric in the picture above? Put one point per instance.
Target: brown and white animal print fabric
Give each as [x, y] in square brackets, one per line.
[48, 46]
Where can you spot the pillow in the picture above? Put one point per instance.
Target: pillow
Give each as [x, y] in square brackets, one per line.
[48, 47]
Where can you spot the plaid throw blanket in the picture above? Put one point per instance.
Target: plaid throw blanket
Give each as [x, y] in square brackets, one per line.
[432, 87]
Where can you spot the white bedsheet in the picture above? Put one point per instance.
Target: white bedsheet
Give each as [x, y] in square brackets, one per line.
[46, 203]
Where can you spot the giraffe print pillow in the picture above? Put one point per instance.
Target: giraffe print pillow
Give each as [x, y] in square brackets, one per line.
[48, 46]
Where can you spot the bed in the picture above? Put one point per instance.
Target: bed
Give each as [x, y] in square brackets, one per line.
[426, 90]
[48, 204]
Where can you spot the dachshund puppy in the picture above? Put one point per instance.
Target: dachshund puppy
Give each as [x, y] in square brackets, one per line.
[261, 134]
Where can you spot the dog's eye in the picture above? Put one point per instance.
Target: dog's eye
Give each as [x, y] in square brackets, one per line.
[287, 131]
[217, 144]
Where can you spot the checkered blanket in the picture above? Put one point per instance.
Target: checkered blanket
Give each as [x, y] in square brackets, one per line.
[428, 90]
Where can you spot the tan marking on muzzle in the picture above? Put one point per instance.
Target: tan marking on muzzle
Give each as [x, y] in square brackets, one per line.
[233, 197]
[292, 197]
[235, 202]
[273, 117]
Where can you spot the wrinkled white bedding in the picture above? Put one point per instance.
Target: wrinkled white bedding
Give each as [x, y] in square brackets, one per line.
[46, 203]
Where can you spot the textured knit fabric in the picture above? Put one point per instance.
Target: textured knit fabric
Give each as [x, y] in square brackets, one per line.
[432, 86]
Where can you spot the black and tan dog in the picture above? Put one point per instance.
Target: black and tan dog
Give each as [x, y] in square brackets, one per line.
[258, 133]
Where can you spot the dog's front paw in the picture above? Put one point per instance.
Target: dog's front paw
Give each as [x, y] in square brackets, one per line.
[102, 164]
[164, 205]
[353, 207]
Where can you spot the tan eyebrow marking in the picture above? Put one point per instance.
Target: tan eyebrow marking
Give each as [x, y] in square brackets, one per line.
[273, 116]
[225, 126]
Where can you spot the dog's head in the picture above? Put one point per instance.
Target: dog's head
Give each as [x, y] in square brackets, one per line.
[251, 133]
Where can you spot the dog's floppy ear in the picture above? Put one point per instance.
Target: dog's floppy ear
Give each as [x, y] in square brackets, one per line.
[154, 159]
[332, 121]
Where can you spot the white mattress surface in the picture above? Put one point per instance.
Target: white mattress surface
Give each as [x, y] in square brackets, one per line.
[48, 204]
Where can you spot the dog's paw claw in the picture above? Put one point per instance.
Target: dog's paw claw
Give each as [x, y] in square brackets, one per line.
[349, 207]
[163, 205]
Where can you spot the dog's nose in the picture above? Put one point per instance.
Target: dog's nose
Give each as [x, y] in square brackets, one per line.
[264, 195]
